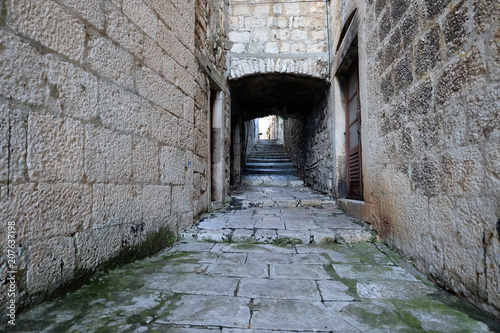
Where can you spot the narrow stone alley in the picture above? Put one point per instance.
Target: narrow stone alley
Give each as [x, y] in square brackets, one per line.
[250, 165]
[280, 258]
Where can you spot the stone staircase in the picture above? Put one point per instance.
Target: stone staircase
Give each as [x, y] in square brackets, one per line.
[270, 158]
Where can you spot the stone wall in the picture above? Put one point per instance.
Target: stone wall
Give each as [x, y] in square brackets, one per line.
[319, 153]
[251, 135]
[293, 133]
[104, 133]
[430, 97]
[283, 37]
[209, 36]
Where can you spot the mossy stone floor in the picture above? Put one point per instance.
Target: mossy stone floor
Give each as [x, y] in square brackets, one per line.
[205, 287]
[286, 285]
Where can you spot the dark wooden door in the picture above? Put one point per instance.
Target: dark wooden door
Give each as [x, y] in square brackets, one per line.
[353, 135]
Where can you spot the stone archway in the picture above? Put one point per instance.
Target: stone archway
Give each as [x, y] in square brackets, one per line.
[251, 66]
[254, 96]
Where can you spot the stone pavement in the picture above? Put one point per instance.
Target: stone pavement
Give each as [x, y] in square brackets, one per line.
[272, 180]
[280, 215]
[289, 267]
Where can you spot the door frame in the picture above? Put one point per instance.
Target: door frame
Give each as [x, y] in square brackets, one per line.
[354, 67]
[216, 140]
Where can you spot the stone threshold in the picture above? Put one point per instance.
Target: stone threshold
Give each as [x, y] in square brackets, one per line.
[358, 208]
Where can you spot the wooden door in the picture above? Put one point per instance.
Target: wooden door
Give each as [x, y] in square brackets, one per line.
[353, 134]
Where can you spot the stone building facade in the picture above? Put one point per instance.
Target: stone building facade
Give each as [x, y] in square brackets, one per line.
[429, 101]
[106, 115]
[429, 89]
[123, 120]
[421, 80]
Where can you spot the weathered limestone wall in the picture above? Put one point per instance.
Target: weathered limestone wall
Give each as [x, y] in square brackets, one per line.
[293, 133]
[318, 143]
[209, 42]
[430, 96]
[104, 133]
[283, 37]
[252, 135]
[273, 38]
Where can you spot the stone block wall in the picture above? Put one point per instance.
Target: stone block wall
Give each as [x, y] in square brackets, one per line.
[104, 133]
[209, 42]
[432, 152]
[251, 135]
[319, 152]
[430, 97]
[293, 133]
[263, 36]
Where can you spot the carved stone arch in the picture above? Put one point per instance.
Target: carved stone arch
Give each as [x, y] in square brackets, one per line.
[250, 66]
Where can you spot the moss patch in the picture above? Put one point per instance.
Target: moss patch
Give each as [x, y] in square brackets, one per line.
[152, 313]
[350, 283]
[287, 241]
[246, 246]
[379, 318]
[369, 254]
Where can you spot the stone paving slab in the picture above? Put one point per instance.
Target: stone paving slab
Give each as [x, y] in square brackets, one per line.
[271, 218]
[163, 328]
[208, 310]
[239, 270]
[325, 236]
[299, 225]
[310, 259]
[279, 289]
[371, 272]
[333, 291]
[372, 253]
[215, 235]
[197, 286]
[391, 289]
[236, 330]
[243, 236]
[298, 235]
[232, 258]
[384, 316]
[253, 248]
[299, 271]
[181, 267]
[287, 197]
[350, 235]
[266, 235]
[148, 295]
[193, 284]
[270, 258]
[203, 257]
[270, 224]
[190, 247]
[297, 316]
[272, 180]
[266, 225]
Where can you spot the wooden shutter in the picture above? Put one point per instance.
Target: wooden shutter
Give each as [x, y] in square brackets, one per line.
[353, 134]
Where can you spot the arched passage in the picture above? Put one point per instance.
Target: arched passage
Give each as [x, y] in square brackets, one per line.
[285, 95]
[289, 96]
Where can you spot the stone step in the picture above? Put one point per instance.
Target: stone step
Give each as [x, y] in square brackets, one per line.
[269, 148]
[270, 165]
[267, 142]
[263, 155]
[268, 154]
[268, 160]
[272, 181]
[274, 152]
[272, 171]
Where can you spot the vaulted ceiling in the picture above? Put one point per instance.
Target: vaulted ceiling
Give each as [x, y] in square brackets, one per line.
[285, 95]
